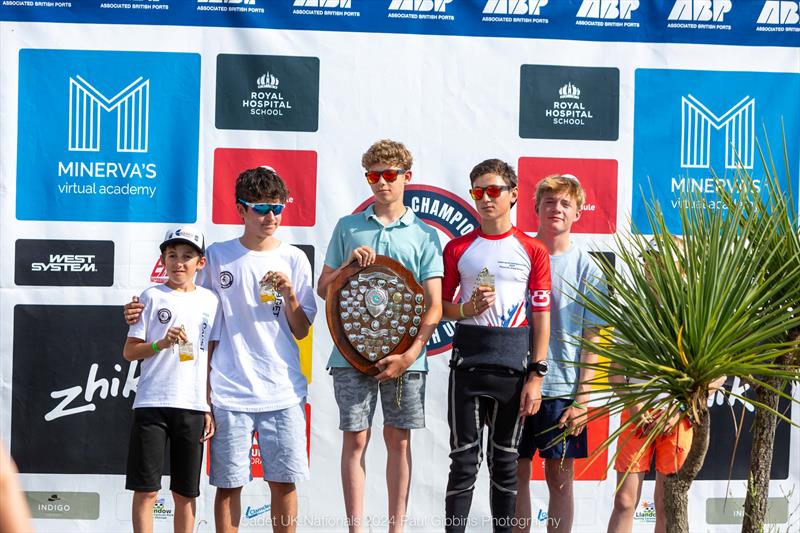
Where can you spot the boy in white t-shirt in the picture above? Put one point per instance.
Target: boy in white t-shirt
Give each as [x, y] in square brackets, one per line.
[174, 340]
[267, 300]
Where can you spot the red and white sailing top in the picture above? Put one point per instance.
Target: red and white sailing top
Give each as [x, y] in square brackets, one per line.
[520, 265]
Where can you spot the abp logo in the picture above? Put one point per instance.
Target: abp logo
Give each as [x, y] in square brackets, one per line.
[421, 6]
[107, 144]
[779, 12]
[693, 129]
[514, 7]
[700, 10]
[607, 9]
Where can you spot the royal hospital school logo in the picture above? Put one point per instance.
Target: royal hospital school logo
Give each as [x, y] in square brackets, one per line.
[694, 129]
[109, 144]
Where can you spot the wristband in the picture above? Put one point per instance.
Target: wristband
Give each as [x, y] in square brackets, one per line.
[577, 404]
[461, 311]
[155, 347]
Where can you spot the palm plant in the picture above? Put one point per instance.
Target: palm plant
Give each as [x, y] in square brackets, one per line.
[683, 317]
[773, 213]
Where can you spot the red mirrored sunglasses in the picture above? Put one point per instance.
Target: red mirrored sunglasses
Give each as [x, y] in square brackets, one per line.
[389, 175]
[493, 191]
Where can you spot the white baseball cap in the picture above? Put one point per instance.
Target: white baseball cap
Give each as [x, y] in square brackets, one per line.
[185, 234]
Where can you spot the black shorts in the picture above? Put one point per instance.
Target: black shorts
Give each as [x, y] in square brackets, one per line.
[152, 427]
[541, 433]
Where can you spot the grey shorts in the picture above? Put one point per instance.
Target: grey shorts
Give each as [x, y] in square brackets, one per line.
[281, 442]
[357, 395]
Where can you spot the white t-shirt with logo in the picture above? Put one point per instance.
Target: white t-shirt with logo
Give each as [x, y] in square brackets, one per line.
[165, 380]
[256, 367]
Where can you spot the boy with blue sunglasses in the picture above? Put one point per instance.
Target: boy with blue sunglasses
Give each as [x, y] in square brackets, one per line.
[265, 289]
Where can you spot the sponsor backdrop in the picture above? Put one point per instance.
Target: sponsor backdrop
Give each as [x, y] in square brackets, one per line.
[121, 118]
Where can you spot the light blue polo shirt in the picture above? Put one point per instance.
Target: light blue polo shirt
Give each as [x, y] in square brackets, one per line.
[407, 240]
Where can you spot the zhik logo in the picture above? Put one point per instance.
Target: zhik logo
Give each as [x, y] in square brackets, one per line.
[131, 105]
[419, 5]
[332, 4]
[700, 10]
[696, 123]
[514, 7]
[779, 12]
[607, 9]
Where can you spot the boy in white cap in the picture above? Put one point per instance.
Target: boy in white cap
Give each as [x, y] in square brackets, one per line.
[174, 340]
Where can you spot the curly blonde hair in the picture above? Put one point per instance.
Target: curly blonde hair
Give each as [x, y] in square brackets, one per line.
[387, 152]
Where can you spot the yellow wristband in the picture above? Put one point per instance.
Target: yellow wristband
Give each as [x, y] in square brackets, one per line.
[461, 311]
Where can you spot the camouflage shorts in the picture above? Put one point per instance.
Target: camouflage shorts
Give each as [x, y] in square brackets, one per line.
[357, 395]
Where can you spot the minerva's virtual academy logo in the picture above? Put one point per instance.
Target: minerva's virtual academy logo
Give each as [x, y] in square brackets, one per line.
[453, 217]
[690, 136]
[107, 136]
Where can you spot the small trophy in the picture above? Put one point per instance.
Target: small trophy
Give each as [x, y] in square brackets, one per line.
[185, 349]
[266, 289]
[485, 280]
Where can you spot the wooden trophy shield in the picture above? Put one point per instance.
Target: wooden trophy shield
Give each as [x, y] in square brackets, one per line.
[374, 311]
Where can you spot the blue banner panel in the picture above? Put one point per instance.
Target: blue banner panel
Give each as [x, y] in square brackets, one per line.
[108, 136]
[692, 129]
[740, 22]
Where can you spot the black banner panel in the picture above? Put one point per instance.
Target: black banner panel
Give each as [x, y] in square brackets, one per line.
[51, 262]
[72, 390]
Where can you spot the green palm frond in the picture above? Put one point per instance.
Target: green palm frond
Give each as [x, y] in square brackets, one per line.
[720, 305]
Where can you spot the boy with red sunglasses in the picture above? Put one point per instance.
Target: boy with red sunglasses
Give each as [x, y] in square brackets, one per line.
[389, 228]
[256, 384]
[499, 347]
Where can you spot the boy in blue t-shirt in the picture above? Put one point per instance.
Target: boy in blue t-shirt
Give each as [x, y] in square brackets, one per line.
[565, 389]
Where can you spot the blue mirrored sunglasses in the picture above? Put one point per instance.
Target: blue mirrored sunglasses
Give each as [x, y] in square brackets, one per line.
[263, 209]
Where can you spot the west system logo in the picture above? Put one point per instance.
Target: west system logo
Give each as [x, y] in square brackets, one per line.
[319, 8]
[607, 13]
[64, 263]
[779, 15]
[107, 147]
[529, 11]
[267, 92]
[453, 217]
[229, 6]
[700, 14]
[420, 9]
[690, 137]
